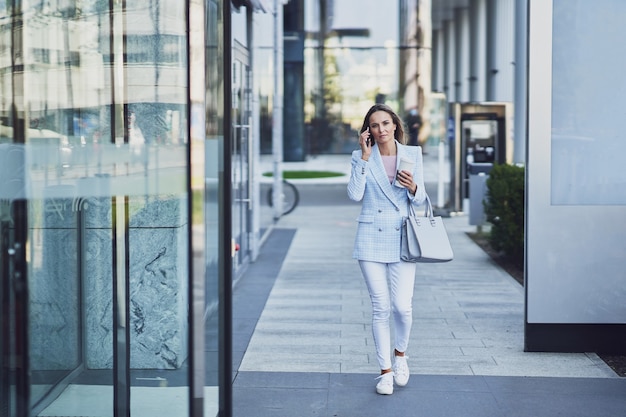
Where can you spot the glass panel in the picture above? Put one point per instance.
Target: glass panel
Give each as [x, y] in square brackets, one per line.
[104, 106]
[68, 115]
[206, 95]
[156, 98]
[7, 240]
[8, 314]
[214, 205]
[14, 375]
[240, 155]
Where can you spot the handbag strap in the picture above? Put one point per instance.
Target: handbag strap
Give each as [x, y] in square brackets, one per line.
[428, 209]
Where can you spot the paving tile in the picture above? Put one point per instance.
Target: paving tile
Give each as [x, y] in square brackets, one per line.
[448, 342]
[424, 352]
[314, 380]
[468, 314]
[251, 363]
[279, 402]
[305, 349]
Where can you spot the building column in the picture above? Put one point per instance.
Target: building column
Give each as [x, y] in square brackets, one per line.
[463, 54]
[478, 50]
[501, 49]
[438, 60]
[450, 60]
[519, 108]
[293, 83]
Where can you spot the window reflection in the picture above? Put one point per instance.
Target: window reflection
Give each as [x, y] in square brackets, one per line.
[100, 98]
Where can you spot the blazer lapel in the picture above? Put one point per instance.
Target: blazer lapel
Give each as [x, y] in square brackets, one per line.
[380, 175]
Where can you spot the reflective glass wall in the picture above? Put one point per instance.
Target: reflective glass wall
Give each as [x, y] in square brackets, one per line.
[356, 53]
[111, 172]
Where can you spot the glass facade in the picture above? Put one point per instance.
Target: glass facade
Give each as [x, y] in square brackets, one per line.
[112, 207]
[355, 53]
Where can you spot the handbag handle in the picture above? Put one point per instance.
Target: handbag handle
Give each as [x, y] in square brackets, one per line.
[428, 209]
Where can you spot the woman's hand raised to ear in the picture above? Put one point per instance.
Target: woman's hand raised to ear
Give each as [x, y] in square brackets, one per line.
[364, 141]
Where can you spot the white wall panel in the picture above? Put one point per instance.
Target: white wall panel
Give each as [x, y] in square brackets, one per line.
[576, 184]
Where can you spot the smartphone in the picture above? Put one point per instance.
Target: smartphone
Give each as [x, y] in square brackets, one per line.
[370, 140]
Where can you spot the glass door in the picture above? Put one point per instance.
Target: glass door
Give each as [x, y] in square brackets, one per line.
[55, 277]
[94, 225]
[241, 155]
[14, 381]
[41, 336]
[115, 208]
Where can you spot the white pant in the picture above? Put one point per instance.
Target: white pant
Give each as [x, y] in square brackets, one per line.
[391, 289]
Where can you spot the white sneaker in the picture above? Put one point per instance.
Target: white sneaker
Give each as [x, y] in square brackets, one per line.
[401, 371]
[385, 385]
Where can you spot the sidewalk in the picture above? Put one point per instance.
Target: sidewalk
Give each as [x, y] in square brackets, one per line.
[303, 343]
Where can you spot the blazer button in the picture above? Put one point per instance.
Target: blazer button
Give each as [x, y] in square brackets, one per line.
[380, 211]
[397, 228]
[397, 208]
[380, 230]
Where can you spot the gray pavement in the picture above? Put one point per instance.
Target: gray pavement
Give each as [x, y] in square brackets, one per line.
[303, 343]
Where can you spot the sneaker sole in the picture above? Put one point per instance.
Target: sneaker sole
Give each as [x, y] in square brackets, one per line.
[384, 392]
[401, 384]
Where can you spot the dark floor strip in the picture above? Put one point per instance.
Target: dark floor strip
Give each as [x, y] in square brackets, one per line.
[265, 394]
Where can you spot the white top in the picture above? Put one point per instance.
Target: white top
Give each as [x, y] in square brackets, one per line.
[389, 161]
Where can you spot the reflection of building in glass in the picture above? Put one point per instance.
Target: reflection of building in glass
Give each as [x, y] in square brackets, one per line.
[94, 198]
[351, 62]
[69, 81]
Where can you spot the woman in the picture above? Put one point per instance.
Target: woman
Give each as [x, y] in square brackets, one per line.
[386, 193]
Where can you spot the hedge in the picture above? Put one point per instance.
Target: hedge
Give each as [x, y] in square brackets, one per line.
[504, 209]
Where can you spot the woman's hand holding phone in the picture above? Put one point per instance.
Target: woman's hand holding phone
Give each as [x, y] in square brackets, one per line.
[366, 140]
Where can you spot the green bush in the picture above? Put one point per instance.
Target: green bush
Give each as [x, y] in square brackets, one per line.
[504, 209]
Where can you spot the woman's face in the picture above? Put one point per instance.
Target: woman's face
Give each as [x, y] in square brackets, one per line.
[382, 127]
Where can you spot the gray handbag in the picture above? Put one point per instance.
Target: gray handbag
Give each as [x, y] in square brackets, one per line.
[424, 239]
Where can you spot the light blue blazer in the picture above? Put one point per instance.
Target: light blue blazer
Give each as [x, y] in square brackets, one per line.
[384, 205]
